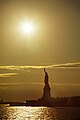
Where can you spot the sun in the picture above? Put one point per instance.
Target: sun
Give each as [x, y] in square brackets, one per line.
[27, 28]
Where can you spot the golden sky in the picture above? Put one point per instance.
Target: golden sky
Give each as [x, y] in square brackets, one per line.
[54, 44]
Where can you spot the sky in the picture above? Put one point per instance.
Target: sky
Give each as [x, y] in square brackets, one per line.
[54, 44]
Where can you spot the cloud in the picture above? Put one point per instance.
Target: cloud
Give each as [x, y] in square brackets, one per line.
[75, 65]
[19, 83]
[3, 88]
[65, 84]
[37, 83]
[7, 74]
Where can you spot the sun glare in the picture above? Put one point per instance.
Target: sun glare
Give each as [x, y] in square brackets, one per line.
[27, 28]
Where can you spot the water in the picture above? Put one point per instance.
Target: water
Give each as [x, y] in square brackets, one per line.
[39, 113]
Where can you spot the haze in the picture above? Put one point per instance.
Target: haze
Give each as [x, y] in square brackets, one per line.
[55, 42]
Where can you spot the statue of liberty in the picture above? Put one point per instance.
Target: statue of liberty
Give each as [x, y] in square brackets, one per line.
[46, 89]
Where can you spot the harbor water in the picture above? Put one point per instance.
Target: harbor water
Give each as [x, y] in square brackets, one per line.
[39, 113]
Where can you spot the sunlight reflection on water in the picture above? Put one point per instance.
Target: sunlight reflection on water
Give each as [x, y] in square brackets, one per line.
[39, 113]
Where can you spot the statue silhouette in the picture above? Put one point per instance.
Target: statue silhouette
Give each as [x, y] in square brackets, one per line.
[46, 89]
[46, 77]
